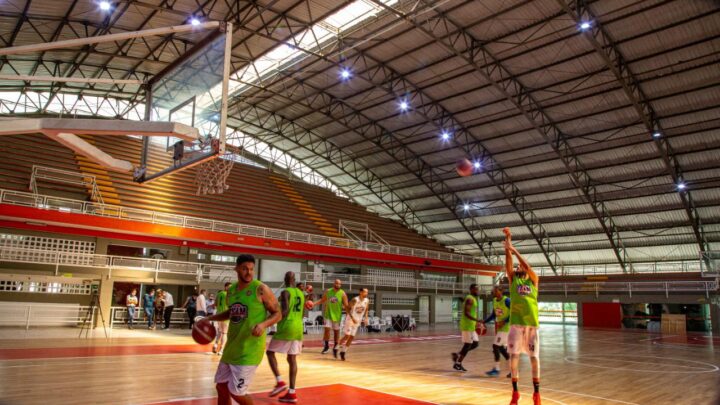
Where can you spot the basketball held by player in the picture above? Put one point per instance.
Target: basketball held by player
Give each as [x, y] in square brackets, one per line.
[252, 308]
[523, 336]
[357, 315]
[288, 339]
[335, 301]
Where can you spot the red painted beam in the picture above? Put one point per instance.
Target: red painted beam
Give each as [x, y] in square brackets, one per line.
[96, 226]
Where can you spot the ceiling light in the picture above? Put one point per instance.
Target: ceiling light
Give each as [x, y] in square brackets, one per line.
[404, 105]
[445, 136]
[104, 5]
[584, 25]
[345, 74]
[194, 21]
[681, 186]
[477, 164]
[466, 207]
[657, 135]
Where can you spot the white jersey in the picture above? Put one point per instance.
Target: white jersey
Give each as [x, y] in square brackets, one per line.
[358, 307]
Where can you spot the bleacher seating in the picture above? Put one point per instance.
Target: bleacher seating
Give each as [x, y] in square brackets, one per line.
[256, 196]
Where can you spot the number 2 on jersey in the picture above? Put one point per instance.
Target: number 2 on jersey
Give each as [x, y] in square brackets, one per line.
[296, 308]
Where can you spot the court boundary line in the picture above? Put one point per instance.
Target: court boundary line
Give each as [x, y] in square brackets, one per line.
[716, 368]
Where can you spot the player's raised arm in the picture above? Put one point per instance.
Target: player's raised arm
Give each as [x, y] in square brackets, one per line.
[321, 300]
[508, 254]
[526, 267]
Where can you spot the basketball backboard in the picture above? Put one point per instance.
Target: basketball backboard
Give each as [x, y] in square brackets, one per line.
[193, 90]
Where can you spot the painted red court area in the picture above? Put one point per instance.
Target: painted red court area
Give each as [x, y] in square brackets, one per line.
[59, 352]
[324, 394]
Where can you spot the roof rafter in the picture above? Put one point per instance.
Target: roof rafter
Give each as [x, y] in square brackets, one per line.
[615, 62]
[468, 48]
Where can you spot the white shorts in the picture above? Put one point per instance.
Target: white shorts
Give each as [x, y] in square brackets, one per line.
[293, 347]
[350, 328]
[238, 378]
[524, 339]
[222, 327]
[331, 324]
[469, 337]
[501, 338]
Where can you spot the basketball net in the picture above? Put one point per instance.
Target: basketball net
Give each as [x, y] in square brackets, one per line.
[211, 176]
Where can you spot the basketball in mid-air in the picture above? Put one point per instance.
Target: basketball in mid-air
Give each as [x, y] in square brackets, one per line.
[203, 331]
[308, 304]
[464, 167]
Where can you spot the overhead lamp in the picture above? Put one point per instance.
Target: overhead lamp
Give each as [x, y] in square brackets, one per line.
[656, 134]
[466, 207]
[585, 25]
[105, 5]
[445, 135]
[194, 21]
[681, 185]
[477, 164]
[345, 73]
[404, 105]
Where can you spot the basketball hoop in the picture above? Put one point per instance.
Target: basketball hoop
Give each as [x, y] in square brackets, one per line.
[211, 176]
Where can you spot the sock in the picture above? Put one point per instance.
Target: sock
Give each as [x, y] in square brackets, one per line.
[278, 379]
[536, 384]
[497, 365]
[327, 344]
[514, 384]
[291, 391]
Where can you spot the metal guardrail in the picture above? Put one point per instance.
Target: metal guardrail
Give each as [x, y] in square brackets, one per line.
[134, 214]
[220, 273]
[40, 314]
[681, 266]
[69, 259]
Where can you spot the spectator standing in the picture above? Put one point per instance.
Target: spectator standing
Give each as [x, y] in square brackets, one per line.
[131, 302]
[202, 304]
[211, 307]
[169, 306]
[190, 307]
[149, 307]
[159, 307]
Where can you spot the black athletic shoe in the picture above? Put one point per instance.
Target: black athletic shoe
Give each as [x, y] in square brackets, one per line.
[325, 349]
[459, 367]
[335, 352]
[342, 356]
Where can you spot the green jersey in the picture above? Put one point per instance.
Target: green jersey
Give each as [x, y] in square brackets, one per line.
[221, 302]
[291, 326]
[502, 313]
[467, 324]
[246, 311]
[333, 305]
[523, 302]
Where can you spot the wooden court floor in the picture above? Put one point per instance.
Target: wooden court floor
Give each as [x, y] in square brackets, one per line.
[579, 366]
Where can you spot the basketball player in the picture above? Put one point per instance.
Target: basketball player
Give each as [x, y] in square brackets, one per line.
[501, 315]
[468, 322]
[523, 335]
[222, 326]
[249, 301]
[335, 300]
[288, 337]
[357, 314]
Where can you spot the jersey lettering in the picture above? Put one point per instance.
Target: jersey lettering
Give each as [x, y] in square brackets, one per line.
[238, 312]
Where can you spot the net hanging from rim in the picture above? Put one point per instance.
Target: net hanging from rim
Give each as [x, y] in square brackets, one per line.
[211, 176]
